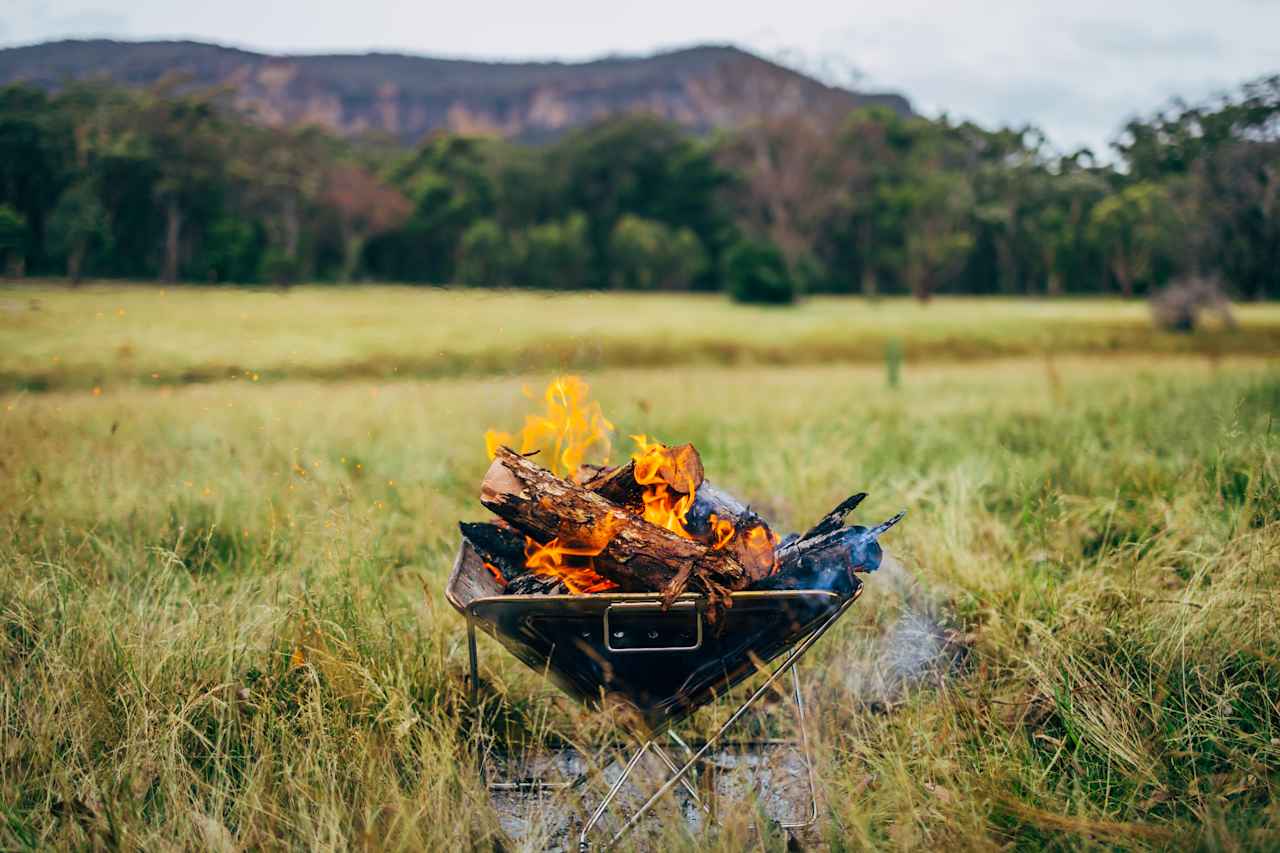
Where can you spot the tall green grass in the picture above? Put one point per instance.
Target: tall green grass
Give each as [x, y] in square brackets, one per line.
[221, 620]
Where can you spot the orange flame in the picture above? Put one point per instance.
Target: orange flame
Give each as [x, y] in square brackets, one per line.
[570, 430]
[570, 556]
[663, 505]
[573, 565]
[723, 529]
[760, 542]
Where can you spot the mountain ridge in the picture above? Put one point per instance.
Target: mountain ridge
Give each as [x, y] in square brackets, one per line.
[407, 96]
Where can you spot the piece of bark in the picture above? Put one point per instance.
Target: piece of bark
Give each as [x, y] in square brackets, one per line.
[633, 553]
[682, 469]
[617, 485]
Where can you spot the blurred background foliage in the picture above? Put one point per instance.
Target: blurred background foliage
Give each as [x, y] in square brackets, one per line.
[166, 184]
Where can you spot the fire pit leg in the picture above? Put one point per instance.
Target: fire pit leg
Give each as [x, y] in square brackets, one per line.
[684, 780]
[808, 757]
[475, 665]
[583, 844]
[790, 661]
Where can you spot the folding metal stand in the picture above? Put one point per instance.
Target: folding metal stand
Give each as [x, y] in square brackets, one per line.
[679, 773]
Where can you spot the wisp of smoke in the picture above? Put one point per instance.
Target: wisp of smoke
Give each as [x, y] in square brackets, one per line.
[915, 648]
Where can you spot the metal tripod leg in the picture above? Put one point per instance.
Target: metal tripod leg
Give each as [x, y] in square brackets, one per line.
[787, 664]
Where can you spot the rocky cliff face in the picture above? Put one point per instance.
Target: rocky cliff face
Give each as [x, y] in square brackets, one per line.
[703, 88]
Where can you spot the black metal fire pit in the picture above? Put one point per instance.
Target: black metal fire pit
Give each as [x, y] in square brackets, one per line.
[664, 664]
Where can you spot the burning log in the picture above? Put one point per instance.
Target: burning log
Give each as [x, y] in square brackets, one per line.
[635, 554]
[617, 484]
[713, 517]
[721, 520]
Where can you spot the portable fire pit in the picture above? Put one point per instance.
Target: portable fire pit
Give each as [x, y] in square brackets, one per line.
[662, 662]
[644, 585]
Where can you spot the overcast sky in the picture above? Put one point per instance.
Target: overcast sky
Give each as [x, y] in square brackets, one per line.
[1075, 69]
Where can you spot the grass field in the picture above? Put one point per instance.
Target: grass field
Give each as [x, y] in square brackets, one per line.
[221, 619]
[54, 338]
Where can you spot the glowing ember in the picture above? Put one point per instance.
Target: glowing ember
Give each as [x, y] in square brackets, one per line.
[496, 572]
[571, 428]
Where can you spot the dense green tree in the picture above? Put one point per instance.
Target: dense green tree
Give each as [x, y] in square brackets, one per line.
[555, 255]
[1132, 227]
[78, 222]
[647, 255]
[488, 255]
[36, 162]
[644, 167]
[13, 240]
[861, 238]
[235, 250]
[1237, 210]
[181, 135]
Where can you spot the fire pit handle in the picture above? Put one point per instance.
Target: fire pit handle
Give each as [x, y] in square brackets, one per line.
[614, 631]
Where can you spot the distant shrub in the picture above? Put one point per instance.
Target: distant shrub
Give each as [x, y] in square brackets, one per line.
[556, 254]
[1179, 307]
[280, 269]
[13, 237]
[648, 255]
[486, 255]
[233, 251]
[756, 271]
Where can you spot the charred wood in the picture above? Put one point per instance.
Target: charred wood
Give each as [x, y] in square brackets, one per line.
[834, 519]
[616, 484]
[498, 544]
[829, 561]
[532, 584]
[754, 550]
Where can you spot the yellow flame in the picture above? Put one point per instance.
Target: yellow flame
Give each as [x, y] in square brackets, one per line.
[663, 505]
[571, 429]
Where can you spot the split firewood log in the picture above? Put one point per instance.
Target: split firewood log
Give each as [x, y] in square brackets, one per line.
[714, 518]
[628, 550]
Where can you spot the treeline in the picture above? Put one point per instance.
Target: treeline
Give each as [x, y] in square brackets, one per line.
[108, 182]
